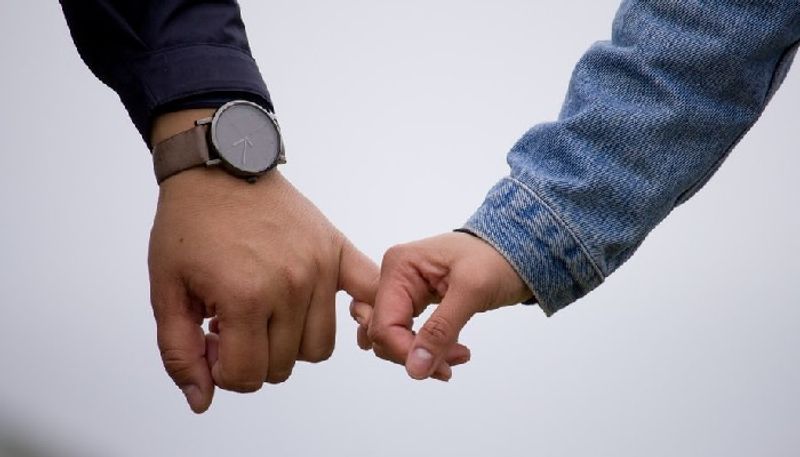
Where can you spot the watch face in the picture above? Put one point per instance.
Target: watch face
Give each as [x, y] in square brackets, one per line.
[246, 137]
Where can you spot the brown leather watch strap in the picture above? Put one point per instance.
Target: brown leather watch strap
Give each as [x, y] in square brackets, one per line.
[185, 150]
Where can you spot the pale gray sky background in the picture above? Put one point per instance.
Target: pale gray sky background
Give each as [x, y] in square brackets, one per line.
[397, 118]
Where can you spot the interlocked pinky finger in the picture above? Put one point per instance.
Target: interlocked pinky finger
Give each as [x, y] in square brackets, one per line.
[361, 312]
[362, 338]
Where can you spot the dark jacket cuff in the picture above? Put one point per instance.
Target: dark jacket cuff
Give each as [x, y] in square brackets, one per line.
[161, 79]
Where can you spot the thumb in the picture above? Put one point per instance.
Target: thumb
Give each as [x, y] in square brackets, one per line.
[182, 343]
[358, 274]
[437, 337]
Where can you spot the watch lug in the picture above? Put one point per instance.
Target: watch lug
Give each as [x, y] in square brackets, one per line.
[204, 121]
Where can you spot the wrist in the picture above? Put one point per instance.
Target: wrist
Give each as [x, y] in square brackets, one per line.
[213, 187]
[240, 137]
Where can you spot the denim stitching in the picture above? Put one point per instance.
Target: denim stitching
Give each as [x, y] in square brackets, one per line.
[562, 222]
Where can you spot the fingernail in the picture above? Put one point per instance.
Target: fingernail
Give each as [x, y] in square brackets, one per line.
[419, 363]
[192, 394]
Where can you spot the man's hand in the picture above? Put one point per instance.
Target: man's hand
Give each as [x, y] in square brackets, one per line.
[264, 263]
[463, 273]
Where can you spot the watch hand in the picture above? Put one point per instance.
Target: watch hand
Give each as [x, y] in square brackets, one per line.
[259, 129]
[246, 141]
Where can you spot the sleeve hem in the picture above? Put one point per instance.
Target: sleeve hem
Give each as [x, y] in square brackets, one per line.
[548, 257]
[155, 79]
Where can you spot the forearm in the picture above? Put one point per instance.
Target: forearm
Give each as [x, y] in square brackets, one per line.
[648, 118]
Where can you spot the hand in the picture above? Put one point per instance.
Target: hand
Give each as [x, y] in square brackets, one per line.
[264, 263]
[463, 272]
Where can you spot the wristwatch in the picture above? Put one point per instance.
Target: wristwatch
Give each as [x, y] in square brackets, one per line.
[241, 137]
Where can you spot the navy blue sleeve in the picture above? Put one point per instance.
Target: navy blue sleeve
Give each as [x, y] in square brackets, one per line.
[164, 55]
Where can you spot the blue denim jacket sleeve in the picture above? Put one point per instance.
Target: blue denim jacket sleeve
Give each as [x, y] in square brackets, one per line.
[648, 118]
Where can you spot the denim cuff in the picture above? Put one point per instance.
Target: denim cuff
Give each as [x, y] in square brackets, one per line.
[153, 80]
[537, 243]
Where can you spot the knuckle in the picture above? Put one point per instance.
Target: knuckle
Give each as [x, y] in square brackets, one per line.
[394, 255]
[279, 377]
[380, 341]
[240, 384]
[437, 330]
[246, 387]
[177, 365]
[246, 290]
[242, 380]
[318, 355]
[377, 334]
[295, 279]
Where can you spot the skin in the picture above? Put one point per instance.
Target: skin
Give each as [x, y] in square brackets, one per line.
[260, 260]
[264, 264]
[461, 272]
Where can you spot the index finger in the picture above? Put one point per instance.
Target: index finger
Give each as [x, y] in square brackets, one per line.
[402, 294]
[181, 342]
[392, 319]
[243, 347]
